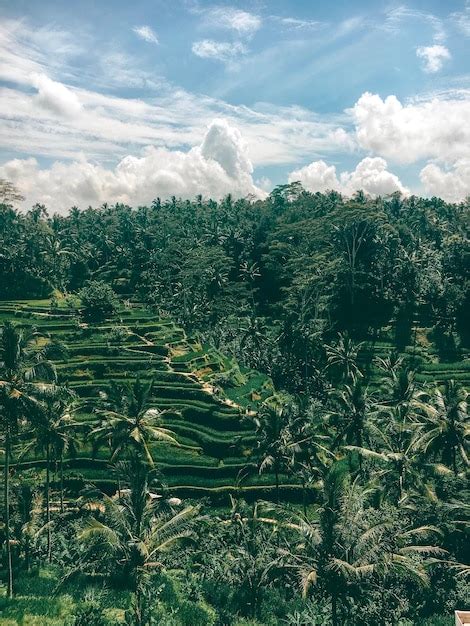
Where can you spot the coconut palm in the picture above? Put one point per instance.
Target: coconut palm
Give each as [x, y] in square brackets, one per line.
[134, 531]
[398, 381]
[23, 361]
[445, 424]
[395, 449]
[274, 436]
[352, 545]
[351, 414]
[342, 357]
[308, 443]
[55, 435]
[129, 421]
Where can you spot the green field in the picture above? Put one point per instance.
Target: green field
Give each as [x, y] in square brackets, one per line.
[217, 441]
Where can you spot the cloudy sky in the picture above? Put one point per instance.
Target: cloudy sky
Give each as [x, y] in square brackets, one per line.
[125, 101]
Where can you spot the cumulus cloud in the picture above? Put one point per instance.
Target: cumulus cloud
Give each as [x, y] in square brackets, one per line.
[146, 33]
[371, 175]
[230, 18]
[451, 184]
[317, 176]
[218, 166]
[219, 50]
[433, 57]
[438, 128]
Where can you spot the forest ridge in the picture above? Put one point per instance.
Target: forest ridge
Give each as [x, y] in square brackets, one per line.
[332, 335]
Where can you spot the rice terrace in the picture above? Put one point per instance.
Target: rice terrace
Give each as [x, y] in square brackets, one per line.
[234, 313]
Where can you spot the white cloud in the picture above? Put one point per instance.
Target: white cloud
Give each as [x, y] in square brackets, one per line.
[438, 128]
[293, 23]
[230, 18]
[146, 33]
[218, 166]
[394, 19]
[54, 96]
[371, 175]
[451, 184]
[433, 57]
[462, 19]
[219, 50]
[42, 114]
[317, 176]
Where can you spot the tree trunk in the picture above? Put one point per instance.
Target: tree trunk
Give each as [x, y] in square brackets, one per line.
[48, 504]
[454, 461]
[7, 512]
[400, 485]
[334, 610]
[304, 498]
[277, 485]
[61, 482]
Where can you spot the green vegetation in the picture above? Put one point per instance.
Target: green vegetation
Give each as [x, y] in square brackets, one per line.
[237, 413]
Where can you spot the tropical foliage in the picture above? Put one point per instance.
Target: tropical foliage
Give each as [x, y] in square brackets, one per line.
[237, 412]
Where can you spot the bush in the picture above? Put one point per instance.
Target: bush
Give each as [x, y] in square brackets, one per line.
[196, 614]
[90, 611]
[98, 301]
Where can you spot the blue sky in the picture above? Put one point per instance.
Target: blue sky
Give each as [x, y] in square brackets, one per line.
[124, 101]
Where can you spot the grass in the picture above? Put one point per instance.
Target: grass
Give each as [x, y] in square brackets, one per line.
[38, 603]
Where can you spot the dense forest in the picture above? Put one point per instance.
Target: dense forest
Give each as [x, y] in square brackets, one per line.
[346, 322]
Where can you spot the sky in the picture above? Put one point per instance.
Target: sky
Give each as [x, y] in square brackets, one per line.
[118, 101]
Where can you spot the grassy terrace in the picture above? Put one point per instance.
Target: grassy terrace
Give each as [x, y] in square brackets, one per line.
[204, 393]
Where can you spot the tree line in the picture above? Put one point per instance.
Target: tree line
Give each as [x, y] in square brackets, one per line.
[298, 286]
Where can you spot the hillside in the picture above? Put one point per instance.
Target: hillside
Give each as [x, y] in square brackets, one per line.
[217, 441]
[205, 395]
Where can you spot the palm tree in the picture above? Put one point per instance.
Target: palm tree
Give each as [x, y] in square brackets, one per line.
[272, 426]
[134, 532]
[251, 550]
[445, 425]
[129, 421]
[351, 545]
[351, 413]
[394, 447]
[342, 356]
[308, 443]
[398, 381]
[23, 360]
[54, 434]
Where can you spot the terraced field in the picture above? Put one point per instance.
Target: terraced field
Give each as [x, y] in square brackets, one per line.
[206, 397]
[432, 366]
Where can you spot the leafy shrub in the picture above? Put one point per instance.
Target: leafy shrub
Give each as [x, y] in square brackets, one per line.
[118, 334]
[98, 301]
[196, 614]
[90, 611]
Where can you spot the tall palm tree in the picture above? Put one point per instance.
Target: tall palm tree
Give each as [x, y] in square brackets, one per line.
[308, 443]
[274, 437]
[55, 435]
[351, 546]
[445, 424]
[129, 421]
[134, 531]
[352, 409]
[342, 356]
[23, 361]
[394, 447]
